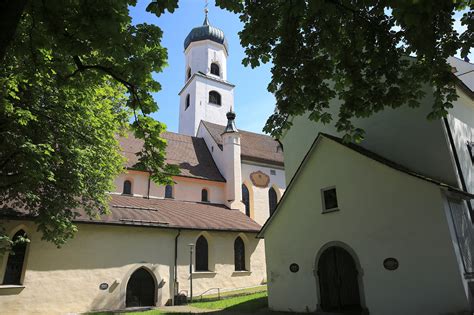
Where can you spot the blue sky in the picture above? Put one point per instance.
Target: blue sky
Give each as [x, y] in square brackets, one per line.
[253, 103]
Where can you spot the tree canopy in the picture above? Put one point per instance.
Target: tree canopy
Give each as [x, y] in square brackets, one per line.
[73, 75]
[355, 51]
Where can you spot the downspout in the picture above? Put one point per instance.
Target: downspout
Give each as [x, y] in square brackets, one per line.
[175, 269]
[458, 165]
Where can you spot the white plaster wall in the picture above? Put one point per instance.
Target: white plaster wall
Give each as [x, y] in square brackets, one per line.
[187, 117]
[66, 280]
[199, 56]
[139, 182]
[259, 204]
[222, 272]
[383, 213]
[200, 108]
[403, 135]
[188, 189]
[461, 123]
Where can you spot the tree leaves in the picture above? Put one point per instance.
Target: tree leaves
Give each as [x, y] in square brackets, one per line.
[71, 80]
[359, 53]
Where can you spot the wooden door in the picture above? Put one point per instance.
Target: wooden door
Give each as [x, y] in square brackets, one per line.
[338, 283]
[140, 289]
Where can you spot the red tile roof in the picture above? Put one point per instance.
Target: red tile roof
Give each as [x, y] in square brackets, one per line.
[169, 213]
[254, 146]
[189, 153]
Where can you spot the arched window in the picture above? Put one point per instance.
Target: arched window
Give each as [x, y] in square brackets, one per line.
[127, 187]
[168, 191]
[215, 69]
[272, 200]
[202, 254]
[239, 254]
[204, 195]
[16, 259]
[188, 74]
[188, 101]
[214, 98]
[246, 199]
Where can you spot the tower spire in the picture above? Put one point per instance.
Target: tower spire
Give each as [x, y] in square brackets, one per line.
[206, 11]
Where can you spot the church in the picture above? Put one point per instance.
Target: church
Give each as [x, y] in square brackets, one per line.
[141, 253]
[382, 227]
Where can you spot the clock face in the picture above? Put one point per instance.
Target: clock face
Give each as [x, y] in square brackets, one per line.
[294, 267]
[390, 263]
[260, 179]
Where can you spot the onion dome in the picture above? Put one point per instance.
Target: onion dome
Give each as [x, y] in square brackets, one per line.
[230, 128]
[206, 31]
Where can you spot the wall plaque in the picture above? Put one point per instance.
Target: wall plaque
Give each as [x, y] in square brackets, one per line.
[103, 286]
[260, 179]
[390, 263]
[294, 267]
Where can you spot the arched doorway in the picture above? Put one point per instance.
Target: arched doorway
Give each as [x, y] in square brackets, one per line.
[141, 289]
[338, 282]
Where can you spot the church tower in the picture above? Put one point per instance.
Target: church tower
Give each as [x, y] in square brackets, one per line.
[206, 95]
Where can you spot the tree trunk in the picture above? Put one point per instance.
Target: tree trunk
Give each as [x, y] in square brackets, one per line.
[10, 14]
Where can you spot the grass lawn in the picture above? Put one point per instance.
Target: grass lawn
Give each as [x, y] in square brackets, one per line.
[255, 303]
[244, 303]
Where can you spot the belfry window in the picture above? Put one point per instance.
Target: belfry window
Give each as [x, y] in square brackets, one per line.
[202, 254]
[188, 101]
[246, 199]
[214, 98]
[204, 195]
[215, 69]
[168, 191]
[16, 260]
[272, 200]
[239, 254]
[127, 187]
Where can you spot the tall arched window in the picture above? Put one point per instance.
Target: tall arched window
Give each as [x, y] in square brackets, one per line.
[204, 195]
[16, 260]
[202, 254]
[188, 74]
[215, 69]
[188, 101]
[127, 187]
[246, 199]
[272, 200]
[168, 191]
[239, 254]
[214, 98]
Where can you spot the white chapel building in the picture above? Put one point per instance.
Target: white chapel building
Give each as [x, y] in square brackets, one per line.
[139, 255]
[384, 227]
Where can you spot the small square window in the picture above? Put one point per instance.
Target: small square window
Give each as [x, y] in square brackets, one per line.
[272, 172]
[329, 197]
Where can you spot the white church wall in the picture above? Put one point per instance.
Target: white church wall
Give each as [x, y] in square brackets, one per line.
[187, 116]
[461, 123]
[221, 272]
[259, 203]
[67, 280]
[188, 189]
[383, 213]
[200, 55]
[403, 135]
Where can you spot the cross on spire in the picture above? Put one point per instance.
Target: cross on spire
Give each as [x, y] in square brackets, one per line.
[206, 10]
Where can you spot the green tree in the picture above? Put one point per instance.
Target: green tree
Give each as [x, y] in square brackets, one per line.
[73, 74]
[355, 51]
